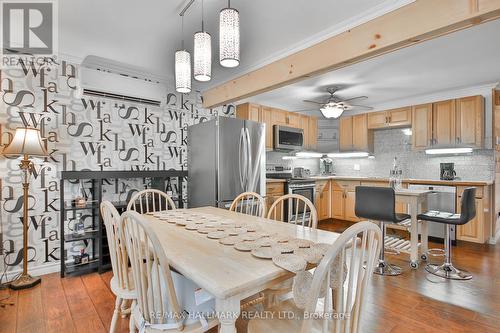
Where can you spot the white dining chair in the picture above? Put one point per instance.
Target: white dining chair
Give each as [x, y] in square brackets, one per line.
[350, 298]
[150, 200]
[122, 283]
[299, 210]
[249, 203]
[163, 296]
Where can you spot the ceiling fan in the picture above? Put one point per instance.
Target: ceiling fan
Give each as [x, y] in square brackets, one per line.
[334, 106]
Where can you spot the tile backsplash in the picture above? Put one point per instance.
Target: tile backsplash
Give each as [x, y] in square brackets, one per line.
[415, 164]
[390, 143]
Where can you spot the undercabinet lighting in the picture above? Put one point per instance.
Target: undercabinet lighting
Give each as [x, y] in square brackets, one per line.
[444, 151]
[348, 155]
[308, 154]
[289, 157]
[371, 156]
[407, 131]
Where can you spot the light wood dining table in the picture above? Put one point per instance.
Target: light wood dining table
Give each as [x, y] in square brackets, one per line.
[228, 274]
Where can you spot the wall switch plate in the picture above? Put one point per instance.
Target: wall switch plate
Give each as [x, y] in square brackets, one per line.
[356, 167]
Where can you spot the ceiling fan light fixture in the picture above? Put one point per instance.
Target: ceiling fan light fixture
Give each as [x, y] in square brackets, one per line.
[329, 111]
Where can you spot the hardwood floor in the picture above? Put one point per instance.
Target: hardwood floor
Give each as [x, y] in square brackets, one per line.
[412, 302]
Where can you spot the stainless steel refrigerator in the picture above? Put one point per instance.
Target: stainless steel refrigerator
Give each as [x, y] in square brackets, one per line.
[226, 157]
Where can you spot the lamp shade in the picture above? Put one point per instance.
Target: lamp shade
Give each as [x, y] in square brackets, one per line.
[332, 111]
[202, 56]
[26, 141]
[229, 37]
[182, 71]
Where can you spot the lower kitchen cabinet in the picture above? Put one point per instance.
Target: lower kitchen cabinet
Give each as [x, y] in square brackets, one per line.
[476, 230]
[274, 190]
[344, 200]
[323, 200]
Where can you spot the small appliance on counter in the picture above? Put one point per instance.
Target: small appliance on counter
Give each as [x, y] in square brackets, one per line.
[326, 166]
[300, 172]
[448, 171]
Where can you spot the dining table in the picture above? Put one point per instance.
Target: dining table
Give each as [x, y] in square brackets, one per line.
[221, 270]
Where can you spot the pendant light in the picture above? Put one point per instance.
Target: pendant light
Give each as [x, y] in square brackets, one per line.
[229, 36]
[182, 67]
[202, 53]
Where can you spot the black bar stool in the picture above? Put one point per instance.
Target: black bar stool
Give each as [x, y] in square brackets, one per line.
[379, 204]
[467, 213]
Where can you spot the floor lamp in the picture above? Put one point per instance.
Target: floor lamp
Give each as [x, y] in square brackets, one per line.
[26, 142]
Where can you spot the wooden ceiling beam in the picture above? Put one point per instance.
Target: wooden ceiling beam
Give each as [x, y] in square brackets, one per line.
[416, 22]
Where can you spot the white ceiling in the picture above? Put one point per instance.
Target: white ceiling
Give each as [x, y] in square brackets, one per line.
[145, 34]
[466, 58]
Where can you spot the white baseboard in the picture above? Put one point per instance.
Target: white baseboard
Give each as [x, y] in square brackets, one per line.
[35, 271]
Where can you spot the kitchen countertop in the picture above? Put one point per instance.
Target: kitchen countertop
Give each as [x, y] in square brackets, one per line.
[275, 180]
[458, 182]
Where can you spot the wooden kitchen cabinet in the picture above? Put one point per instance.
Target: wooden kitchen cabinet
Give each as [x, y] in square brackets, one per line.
[360, 134]
[274, 190]
[267, 113]
[312, 132]
[272, 116]
[354, 134]
[477, 230]
[474, 230]
[323, 199]
[390, 118]
[293, 120]
[469, 121]
[345, 134]
[344, 200]
[443, 123]
[421, 126]
[249, 111]
[279, 117]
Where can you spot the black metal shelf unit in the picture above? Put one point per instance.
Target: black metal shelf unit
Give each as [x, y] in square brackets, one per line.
[95, 234]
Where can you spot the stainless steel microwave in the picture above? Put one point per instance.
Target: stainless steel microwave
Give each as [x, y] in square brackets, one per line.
[288, 138]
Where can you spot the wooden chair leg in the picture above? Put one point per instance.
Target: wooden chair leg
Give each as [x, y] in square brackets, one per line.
[116, 313]
[124, 310]
[131, 323]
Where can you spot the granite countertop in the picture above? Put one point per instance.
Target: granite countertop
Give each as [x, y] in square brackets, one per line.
[457, 182]
[275, 180]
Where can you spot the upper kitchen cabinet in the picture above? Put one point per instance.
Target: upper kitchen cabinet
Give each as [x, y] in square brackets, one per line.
[400, 117]
[469, 121]
[249, 111]
[450, 123]
[443, 123]
[354, 134]
[421, 125]
[312, 133]
[273, 116]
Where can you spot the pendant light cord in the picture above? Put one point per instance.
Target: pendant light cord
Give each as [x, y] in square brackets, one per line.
[182, 32]
[202, 15]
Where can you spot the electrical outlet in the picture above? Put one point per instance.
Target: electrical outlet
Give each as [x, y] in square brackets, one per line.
[356, 167]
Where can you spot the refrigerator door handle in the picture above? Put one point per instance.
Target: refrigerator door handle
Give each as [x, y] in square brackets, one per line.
[240, 162]
[248, 182]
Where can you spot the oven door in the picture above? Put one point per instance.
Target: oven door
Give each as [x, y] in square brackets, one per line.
[288, 138]
[304, 190]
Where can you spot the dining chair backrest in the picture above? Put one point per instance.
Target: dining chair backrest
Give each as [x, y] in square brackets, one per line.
[149, 268]
[350, 297]
[249, 203]
[150, 200]
[294, 208]
[117, 248]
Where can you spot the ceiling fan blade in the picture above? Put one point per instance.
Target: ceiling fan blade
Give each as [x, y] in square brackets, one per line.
[360, 106]
[353, 98]
[308, 101]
